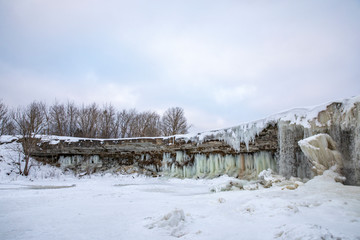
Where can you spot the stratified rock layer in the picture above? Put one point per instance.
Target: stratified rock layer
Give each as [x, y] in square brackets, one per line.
[241, 151]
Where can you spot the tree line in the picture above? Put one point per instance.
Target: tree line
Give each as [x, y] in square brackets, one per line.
[90, 121]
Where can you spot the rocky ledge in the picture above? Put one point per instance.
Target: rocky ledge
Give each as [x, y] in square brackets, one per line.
[241, 151]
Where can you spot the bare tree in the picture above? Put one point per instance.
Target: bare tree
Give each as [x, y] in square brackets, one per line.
[92, 121]
[87, 123]
[125, 120]
[174, 122]
[58, 119]
[3, 118]
[72, 113]
[29, 122]
[134, 124]
[107, 122]
[6, 125]
[152, 124]
[47, 118]
[147, 124]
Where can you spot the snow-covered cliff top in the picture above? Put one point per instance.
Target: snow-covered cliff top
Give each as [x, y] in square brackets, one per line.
[246, 132]
[243, 133]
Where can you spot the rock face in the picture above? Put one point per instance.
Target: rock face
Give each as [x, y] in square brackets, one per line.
[173, 156]
[341, 121]
[242, 151]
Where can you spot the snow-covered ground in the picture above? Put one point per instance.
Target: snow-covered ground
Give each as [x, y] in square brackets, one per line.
[129, 207]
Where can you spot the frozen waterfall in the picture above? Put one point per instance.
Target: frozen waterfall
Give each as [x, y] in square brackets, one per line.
[215, 164]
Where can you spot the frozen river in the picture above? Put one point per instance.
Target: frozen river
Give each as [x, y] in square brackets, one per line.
[158, 208]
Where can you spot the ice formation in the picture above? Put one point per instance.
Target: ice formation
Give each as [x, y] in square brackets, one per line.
[244, 133]
[339, 119]
[214, 165]
[321, 150]
[335, 118]
[86, 163]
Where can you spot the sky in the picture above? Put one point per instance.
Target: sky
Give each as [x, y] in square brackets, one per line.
[223, 62]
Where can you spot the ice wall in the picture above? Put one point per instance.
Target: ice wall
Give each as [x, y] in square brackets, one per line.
[213, 165]
[291, 160]
[84, 161]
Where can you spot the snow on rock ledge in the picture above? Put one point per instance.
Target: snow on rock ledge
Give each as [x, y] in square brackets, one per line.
[308, 117]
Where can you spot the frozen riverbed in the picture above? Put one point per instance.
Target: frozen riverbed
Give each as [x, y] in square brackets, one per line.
[127, 207]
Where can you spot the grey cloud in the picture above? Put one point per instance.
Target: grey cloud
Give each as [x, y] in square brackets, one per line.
[229, 61]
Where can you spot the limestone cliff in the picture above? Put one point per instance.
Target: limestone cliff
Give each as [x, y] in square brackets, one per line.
[242, 151]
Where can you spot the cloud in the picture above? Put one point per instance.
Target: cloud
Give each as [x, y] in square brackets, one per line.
[21, 87]
[204, 121]
[224, 63]
[226, 96]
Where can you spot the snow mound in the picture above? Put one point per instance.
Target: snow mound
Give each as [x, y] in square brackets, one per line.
[266, 179]
[226, 183]
[329, 177]
[173, 221]
[306, 232]
[229, 185]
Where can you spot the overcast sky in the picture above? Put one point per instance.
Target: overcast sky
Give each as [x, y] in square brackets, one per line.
[224, 62]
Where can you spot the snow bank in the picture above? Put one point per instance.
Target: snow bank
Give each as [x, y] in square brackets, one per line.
[266, 179]
[7, 139]
[233, 184]
[173, 222]
[126, 207]
[328, 178]
[10, 158]
[307, 232]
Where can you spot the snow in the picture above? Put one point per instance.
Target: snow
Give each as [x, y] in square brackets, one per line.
[129, 207]
[7, 138]
[9, 158]
[52, 139]
[50, 204]
[173, 221]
